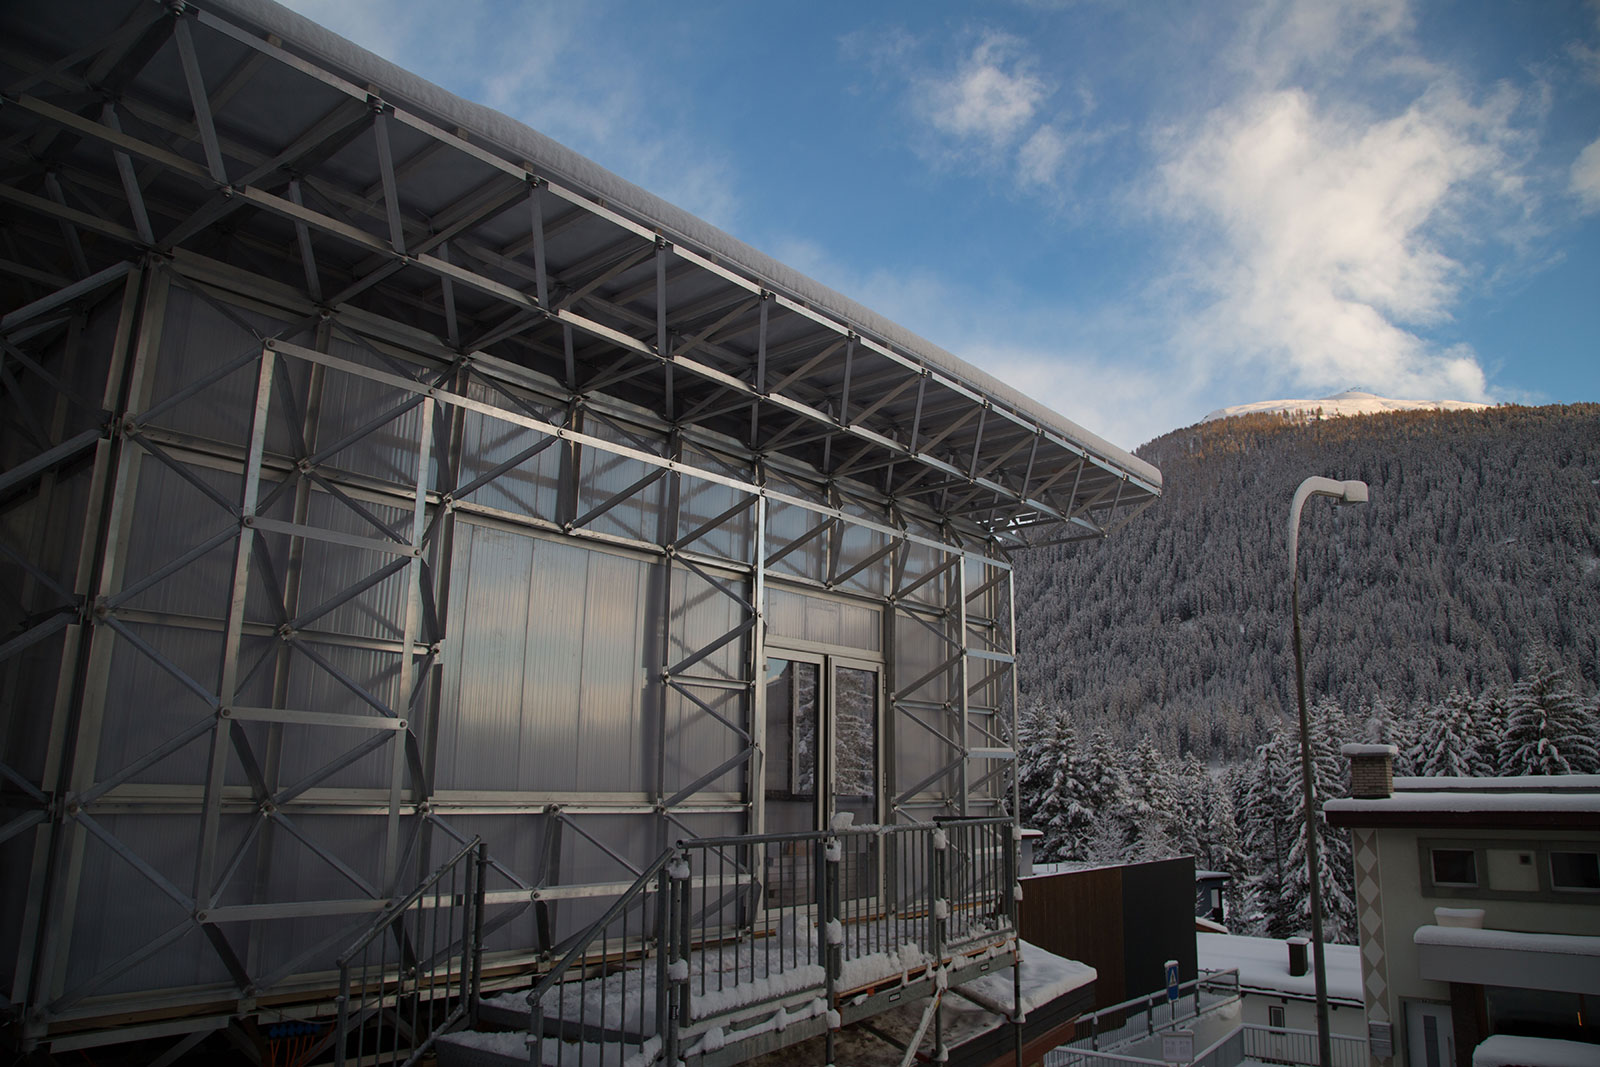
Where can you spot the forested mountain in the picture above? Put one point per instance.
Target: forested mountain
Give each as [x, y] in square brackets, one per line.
[1481, 541]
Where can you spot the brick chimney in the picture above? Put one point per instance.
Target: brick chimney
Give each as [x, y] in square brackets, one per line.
[1371, 770]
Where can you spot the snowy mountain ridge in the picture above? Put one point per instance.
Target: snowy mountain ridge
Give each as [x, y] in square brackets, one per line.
[1349, 402]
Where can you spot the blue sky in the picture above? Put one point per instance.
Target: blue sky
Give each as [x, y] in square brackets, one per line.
[1136, 212]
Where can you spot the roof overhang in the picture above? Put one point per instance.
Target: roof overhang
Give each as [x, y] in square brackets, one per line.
[238, 134]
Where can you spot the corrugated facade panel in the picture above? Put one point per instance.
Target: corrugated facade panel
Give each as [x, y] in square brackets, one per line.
[531, 487]
[350, 401]
[603, 475]
[821, 620]
[196, 339]
[118, 910]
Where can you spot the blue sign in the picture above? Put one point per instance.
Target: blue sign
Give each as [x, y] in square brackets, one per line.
[1172, 980]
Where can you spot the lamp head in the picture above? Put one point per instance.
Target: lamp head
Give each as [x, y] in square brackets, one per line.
[1354, 493]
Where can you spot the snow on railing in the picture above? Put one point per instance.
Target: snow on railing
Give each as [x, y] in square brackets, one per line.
[786, 924]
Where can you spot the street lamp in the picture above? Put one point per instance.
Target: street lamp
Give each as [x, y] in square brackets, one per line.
[1344, 493]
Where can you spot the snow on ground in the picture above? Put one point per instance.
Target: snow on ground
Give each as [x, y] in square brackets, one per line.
[1350, 402]
[1263, 963]
[1045, 976]
[1503, 1050]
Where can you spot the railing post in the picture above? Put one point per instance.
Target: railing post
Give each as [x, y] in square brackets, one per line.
[479, 895]
[664, 954]
[536, 1031]
[342, 1028]
[832, 859]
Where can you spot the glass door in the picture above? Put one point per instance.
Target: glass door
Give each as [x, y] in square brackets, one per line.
[823, 754]
[794, 771]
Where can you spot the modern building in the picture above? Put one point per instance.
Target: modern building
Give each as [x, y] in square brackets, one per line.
[380, 477]
[1479, 909]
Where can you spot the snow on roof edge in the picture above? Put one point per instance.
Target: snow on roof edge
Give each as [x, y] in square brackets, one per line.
[568, 166]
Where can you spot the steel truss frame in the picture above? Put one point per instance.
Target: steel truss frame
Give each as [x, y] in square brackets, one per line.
[68, 802]
[509, 297]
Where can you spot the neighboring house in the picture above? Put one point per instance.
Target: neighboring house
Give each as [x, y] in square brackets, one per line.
[1479, 908]
[1272, 993]
[377, 475]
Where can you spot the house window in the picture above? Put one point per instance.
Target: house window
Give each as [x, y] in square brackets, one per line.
[1575, 871]
[1455, 867]
[1275, 1016]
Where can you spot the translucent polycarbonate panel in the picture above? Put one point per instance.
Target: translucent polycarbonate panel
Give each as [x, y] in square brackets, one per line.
[787, 524]
[531, 487]
[857, 545]
[146, 704]
[701, 501]
[116, 910]
[169, 516]
[200, 335]
[841, 623]
[329, 569]
[920, 749]
[298, 867]
[550, 653]
[603, 476]
[350, 403]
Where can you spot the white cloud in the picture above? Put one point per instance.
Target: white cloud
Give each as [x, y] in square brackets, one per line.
[1585, 181]
[1299, 40]
[991, 97]
[1324, 236]
[1042, 156]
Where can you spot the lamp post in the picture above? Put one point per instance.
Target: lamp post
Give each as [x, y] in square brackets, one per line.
[1344, 493]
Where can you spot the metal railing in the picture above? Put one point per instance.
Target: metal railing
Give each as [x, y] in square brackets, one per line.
[1271, 1044]
[717, 928]
[1141, 1017]
[414, 974]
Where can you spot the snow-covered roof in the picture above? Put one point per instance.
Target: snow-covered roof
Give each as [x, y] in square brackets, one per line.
[973, 426]
[1263, 965]
[1505, 1050]
[1368, 750]
[1507, 940]
[1566, 808]
[1524, 783]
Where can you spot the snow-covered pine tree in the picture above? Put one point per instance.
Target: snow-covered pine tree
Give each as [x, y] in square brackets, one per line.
[1336, 871]
[1548, 728]
[1267, 836]
[1385, 726]
[1104, 796]
[1447, 740]
[1151, 803]
[1045, 738]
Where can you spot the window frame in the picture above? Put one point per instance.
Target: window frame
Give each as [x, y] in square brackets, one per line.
[1433, 868]
[1550, 869]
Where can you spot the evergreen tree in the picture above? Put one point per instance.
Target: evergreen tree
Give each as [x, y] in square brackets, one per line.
[1548, 729]
[1447, 742]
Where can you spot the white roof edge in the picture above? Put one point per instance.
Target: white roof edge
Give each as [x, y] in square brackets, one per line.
[566, 166]
[1507, 940]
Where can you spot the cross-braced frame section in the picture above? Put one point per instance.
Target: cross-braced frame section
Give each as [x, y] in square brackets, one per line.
[338, 605]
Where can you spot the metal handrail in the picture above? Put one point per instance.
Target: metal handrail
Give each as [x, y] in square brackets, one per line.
[767, 905]
[414, 975]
